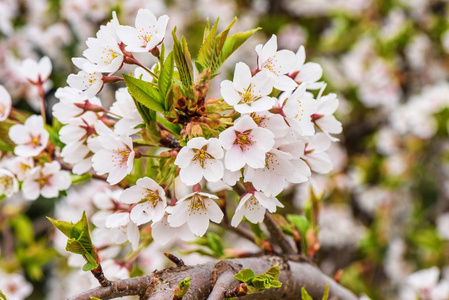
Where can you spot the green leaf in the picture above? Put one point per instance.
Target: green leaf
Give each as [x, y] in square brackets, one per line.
[305, 295]
[166, 77]
[174, 128]
[326, 292]
[145, 93]
[273, 272]
[76, 179]
[3, 296]
[183, 287]
[23, 229]
[245, 275]
[231, 44]
[183, 63]
[79, 241]
[300, 222]
[208, 48]
[215, 244]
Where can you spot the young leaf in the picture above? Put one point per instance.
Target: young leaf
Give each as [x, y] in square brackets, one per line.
[182, 288]
[273, 272]
[145, 93]
[80, 178]
[166, 77]
[305, 295]
[245, 275]
[183, 63]
[231, 44]
[206, 54]
[326, 292]
[79, 241]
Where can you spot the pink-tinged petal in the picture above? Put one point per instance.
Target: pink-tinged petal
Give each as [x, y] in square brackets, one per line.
[5, 103]
[103, 201]
[269, 49]
[319, 143]
[214, 213]
[142, 213]
[184, 157]
[310, 72]
[327, 104]
[192, 174]
[302, 172]
[180, 214]
[161, 26]
[263, 137]
[162, 232]
[197, 143]
[284, 83]
[261, 84]
[237, 218]
[234, 159]
[214, 171]
[227, 138]
[148, 183]
[35, 122]
[132, 195]
[117, 174]
[145, 19]
[159, 211]
[62, 180]
[254, 157]
[198, 223]
[19, 134]
[99, 218]
[117, 219]
[269, 203]
[330, 124]
[49, 191]
[82, 166]
[242, 77]
[133, 235]
[244, 123]
[129, 36]
[94, 89]
[45, 68]
[284, 61]
[301, 58]
[214, 148]
[102, 161]
[229, 94]
[319, 162]
[30, 189]
[71, 133]
[298, 93]
[27, 151]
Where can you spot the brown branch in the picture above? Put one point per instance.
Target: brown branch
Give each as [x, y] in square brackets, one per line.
[277, 235]
[161, 285]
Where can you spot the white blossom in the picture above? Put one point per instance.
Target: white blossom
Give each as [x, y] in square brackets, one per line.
[309, 72]
[248, 94]
[148, 33]
[246, 143]
[31, 138]
[46, 180]
[126, 108]
[36, 72]
[200, 158]
[122, 229]
[5, 103]
[149, 198]
[253, 206]
[323, 117]
[163, 232]
[21, 166]
[196, 210]
[315, 153]
[15, 286]
[8, 183]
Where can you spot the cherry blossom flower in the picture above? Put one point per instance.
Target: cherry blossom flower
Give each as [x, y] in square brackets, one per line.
[273, 177]
[246, 143]
[113, 153]
[15, 286]
[163, 232]
[147, 34]
[107, 202]
[297, 108]
[323, 117]
[315, 153]
[36, 72]
[196, 210]
[200, 158]
[89, 83]
[276, 64]
[5, 103]
[76, 135]
[122, 229]
[71, 104]
[103, 53]
[8, 183]
[309, 72]
[31, 138]
[21, 166]
[421, 284]
[149, 198]
[248, 94]
[253, 206]
[273, 122]
[125, 107]
[46, 180]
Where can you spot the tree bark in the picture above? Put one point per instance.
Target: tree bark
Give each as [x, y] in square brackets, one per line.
[211, 280]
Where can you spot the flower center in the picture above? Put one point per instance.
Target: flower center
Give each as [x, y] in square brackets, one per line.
[197, 205]
[120, 156]
[244, 140]
[201, 156]
[108, 55]
[43, 180]
[6, 182]
[152, 197]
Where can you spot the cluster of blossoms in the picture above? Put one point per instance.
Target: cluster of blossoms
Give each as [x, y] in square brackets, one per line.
[275, 126]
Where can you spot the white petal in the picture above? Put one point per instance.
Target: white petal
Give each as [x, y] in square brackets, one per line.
[242, 77]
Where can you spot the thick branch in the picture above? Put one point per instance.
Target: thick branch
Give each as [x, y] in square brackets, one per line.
[217, 275]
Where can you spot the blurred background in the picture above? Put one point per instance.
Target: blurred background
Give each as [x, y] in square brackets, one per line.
[385, 211]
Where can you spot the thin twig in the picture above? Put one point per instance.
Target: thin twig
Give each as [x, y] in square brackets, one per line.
[277, 235]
